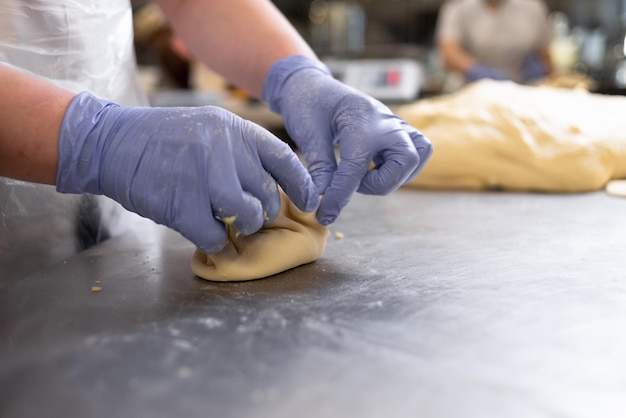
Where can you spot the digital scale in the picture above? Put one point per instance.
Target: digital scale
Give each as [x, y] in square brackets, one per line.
[386, 79]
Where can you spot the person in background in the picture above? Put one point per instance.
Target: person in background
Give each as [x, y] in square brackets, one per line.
[495, 39]
[192, 169]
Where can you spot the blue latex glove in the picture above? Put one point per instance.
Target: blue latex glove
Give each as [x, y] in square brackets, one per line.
[192, 169]
[320, 112]
[533, 69]
[480, 71]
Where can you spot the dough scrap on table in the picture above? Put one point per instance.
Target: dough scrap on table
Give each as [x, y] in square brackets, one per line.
[293, 239]
[502, 135]
[616, 188]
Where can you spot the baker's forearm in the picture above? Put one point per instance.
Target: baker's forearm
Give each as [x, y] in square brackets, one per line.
[31, 112]
[240, 39]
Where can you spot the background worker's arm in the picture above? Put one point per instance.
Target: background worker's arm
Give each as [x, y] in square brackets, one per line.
[454, 57]
[450, 33]
[546, 59]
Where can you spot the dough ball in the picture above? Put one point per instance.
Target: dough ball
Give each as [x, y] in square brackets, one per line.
[293, 239]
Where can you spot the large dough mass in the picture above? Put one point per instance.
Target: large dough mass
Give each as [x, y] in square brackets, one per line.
[293, 239]
[501, 135]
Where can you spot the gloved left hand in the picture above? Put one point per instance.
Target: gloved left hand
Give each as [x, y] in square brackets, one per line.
[196, 170]
[533, 68]
[320, 112]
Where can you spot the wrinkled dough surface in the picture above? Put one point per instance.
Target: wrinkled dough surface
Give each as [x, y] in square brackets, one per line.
[501, 135]
[293, 239]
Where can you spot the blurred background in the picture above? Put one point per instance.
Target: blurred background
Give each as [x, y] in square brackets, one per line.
[387, 48]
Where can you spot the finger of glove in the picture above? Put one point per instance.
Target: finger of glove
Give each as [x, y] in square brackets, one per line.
[322, 172]
[344, 184]
[286, 168]
[424, 150]
[188, 206]
[230, 203]
[399, 160]
[177, 196]
[319, 154]
[352, 132]
[241, 210]
[206, 232]
[253, 175]
[263, 187]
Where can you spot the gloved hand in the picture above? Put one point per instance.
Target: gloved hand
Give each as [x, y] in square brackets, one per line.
[320, 112]
[479, 71]
[533, 69]
[192, 169]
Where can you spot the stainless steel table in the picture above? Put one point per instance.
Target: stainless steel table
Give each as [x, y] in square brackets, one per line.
[432, 305]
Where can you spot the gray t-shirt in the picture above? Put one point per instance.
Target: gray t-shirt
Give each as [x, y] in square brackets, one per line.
[502, 38]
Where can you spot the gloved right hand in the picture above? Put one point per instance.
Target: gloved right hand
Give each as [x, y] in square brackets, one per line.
[192, 169]
[479, 71]
[320, 113]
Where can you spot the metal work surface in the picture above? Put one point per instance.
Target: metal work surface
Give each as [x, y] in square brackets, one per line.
[432, 305]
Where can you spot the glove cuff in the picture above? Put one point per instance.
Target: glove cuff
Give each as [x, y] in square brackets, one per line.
[81, 145]
[280, 73]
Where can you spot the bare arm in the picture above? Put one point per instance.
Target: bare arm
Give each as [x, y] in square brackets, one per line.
[31, 112]
[546, 59]
[454, 57]
[240, 39]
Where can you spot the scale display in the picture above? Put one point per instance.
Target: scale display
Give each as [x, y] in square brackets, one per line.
[391, 80]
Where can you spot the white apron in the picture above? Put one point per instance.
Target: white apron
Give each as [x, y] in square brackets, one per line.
[78, 45]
